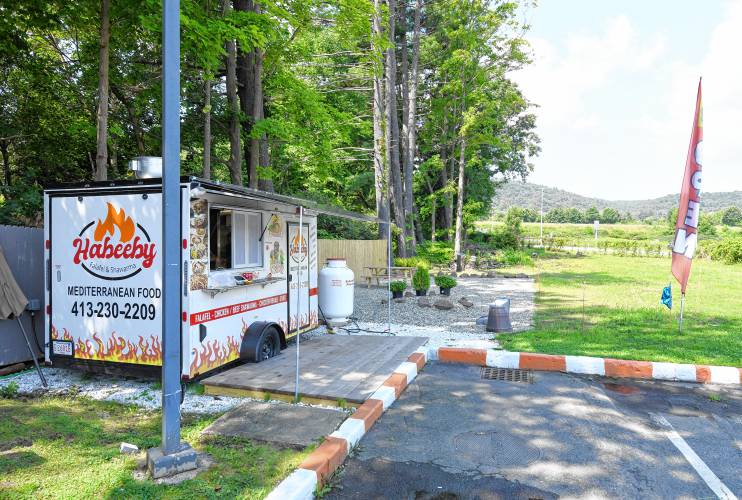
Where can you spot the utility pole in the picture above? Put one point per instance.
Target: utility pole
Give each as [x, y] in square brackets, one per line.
[542, 217]
[173, 456]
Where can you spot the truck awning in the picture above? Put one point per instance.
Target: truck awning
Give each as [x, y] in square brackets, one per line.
[221, 187]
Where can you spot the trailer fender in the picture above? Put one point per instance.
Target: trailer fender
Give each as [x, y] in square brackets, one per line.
[258, 333]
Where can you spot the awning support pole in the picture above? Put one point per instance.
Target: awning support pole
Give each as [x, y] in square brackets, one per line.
[33, 353]
[298, 303]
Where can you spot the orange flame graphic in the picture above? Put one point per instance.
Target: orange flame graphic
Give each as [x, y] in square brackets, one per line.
[214, 353]
[118, 349]
[115, 219]
[65, 334]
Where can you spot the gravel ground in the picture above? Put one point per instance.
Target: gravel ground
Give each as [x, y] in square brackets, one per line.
[139, 392]
[454, 327]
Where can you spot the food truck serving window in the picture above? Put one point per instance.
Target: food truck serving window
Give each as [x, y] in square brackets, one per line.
[233, 238]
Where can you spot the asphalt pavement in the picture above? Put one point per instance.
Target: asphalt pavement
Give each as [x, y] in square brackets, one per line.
[454, 435]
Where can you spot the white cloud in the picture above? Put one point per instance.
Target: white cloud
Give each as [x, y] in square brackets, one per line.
[616, 108]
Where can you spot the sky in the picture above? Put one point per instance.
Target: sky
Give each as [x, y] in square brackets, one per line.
[615, 83]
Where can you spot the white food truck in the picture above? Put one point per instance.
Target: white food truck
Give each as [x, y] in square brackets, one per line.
[242, 254]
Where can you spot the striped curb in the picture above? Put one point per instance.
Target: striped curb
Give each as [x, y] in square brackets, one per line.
[618, 368]
[323, 461]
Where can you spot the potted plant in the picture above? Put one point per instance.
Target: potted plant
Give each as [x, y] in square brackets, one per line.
[445, 283]
[421, 281]
[397, 288]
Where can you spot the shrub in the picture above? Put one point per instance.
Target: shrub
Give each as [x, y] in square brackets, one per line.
[515, 258]
[436, 253]
[397, 286]
[445, 281]
[504, 238]
[421, 278]
[728, 250]
[10, 390]
[410, 262]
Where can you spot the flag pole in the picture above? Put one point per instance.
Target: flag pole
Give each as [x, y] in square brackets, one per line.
[682, 306]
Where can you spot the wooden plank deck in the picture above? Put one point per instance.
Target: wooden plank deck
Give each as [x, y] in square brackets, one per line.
[332, 368]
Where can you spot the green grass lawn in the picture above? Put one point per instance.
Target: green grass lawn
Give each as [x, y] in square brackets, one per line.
[66, 447]
[608, 306]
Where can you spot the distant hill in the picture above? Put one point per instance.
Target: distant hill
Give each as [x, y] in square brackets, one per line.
[524, 194]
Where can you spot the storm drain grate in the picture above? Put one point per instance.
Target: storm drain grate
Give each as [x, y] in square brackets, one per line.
[507, 374]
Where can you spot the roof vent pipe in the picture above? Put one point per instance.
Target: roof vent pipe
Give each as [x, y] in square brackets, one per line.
[146, 167]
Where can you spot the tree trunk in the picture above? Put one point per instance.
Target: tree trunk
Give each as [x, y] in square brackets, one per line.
[235, 151]
[408, 155]
[207, 129]
[4, 145]
[377, 104]
[101, 156]
[446, 210]
[411, 98]
[460, 206]
[432, 219]
[257, 113]
[246, 78]
[392, 132]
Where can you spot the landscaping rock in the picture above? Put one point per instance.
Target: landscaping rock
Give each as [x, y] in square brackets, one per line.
[443, 304]
[466, 302]
[128, 449]
[400, 301]
[424, 302]
[384, 301]
[491, 274]
[409, 294]
[482, 320]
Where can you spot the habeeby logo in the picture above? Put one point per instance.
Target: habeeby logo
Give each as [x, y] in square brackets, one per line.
[115, 248]
[298, 247]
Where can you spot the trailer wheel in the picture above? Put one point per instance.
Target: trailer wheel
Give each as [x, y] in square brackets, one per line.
[262, 341]
[270, 344]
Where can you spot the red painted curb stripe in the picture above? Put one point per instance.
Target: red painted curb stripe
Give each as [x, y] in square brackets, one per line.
[369, 412]
[398, 381]
[622, 368]
[462, 355]
[544, 362]
[703, 374]
[418, 358]
[327, 457]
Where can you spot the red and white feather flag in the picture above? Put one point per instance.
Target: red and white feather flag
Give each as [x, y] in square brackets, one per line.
[686, 225]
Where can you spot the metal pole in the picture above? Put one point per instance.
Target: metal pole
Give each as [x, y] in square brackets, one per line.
[298, 304]
[541, 238]
[171, 389]
[682, 307]
[33, 353]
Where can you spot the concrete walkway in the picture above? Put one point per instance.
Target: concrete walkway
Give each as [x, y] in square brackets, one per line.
[455, 435]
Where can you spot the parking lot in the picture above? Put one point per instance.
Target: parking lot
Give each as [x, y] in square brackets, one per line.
[453, 434]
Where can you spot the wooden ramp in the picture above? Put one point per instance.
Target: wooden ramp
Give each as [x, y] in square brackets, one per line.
[336, 369]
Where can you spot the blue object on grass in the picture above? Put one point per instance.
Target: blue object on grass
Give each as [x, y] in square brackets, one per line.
[667, 296]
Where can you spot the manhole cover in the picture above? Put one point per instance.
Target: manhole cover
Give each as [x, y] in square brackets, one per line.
[495, 448]
[507, 374]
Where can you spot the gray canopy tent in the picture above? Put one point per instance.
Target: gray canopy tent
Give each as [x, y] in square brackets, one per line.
[13, 303]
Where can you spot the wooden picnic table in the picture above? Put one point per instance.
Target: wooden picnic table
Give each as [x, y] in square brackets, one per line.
[379, 272]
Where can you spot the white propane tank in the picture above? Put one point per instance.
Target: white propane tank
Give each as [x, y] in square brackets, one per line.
[336, 291]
